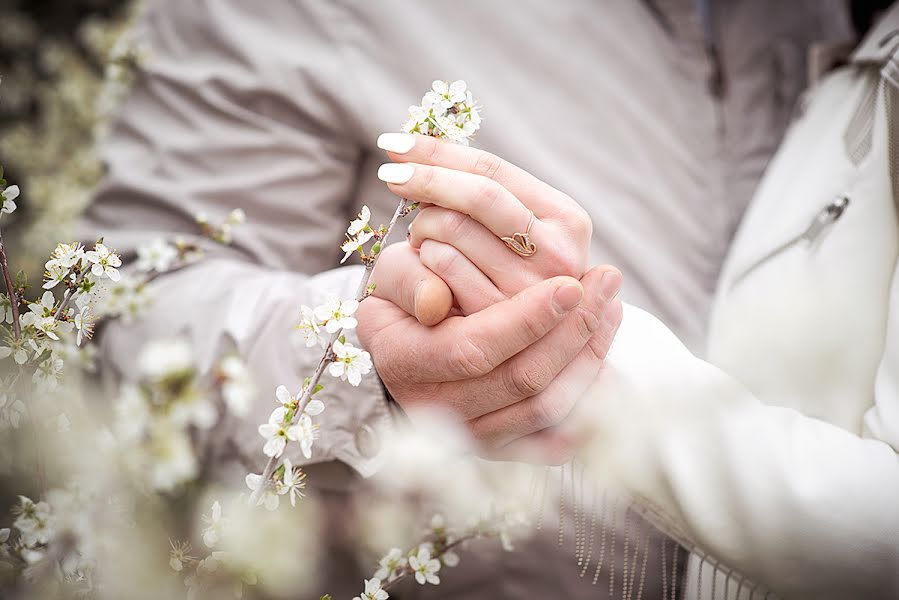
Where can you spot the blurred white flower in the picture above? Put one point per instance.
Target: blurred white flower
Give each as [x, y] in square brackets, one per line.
[179, 556]
[237, 216]
[104, 262]
[447, 111]
[156, 255]
[238, 388]
[351, 363]
[311, 328]
[165, 358]
[390, 564]
[212, 533]
[11, 412]
[424, 566]
[373, 591]
[269, 495]
[8, 196]
[171, 454]
[355, 243]
[360, 222]
[47, 374]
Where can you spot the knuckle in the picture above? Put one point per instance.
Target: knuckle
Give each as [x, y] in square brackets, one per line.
[523, 380]
[440, 258]
[488, 165]
[433, 153]
[587, 322]
[546, 412]
[581, 223]
[488, 194]
[428, 182]
[454, 222]
[470, 359]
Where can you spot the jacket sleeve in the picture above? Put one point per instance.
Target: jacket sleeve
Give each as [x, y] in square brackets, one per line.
[229, 111]
[806, 508]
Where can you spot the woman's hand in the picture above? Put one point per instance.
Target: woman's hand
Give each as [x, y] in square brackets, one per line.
[470, 200]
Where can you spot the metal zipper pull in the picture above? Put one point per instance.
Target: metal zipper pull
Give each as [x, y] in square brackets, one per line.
[822, 221]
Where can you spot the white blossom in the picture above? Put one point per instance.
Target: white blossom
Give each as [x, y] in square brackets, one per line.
[172, 457]
[215, 523]
[40, 316]
[104, 261]
[355, 243]
[48, 373]
[447, 111]
[237, 216]
[390, 564]
[67, 255]
[156, 255]
[277, 432]
[336, 314]
[293, 482]
[11, 413]
[83, 325]
[8, 196]
[268, 496]
[311, 328]
[179, 556]
[351, 363]
[304, 432]
[373, 591]
[424, 566]
[238, 389]
[165, 358]
[360, 222]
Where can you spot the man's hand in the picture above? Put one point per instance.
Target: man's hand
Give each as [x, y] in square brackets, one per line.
[510, 370]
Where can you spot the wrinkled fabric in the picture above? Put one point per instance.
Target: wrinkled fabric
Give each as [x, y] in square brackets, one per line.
[777, 458]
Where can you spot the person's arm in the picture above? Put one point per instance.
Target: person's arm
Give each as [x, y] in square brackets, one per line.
[233, 109]
[802, 506]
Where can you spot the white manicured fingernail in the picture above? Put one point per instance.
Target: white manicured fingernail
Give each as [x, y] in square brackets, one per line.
[395, 172]
[398, 143]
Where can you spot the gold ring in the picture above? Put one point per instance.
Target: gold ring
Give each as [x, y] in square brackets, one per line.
[520, 243]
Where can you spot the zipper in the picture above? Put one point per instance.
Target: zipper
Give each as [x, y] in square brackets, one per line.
[822, 221]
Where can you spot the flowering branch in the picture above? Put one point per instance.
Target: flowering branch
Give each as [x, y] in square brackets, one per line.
[446, 111]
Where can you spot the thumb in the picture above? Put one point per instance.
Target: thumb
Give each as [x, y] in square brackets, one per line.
[402, 279]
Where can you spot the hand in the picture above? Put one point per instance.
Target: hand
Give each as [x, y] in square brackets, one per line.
[508, 371]
[470, 200]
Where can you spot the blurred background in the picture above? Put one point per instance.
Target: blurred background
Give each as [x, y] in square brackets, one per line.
[53, 61]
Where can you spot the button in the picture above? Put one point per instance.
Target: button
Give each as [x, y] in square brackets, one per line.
[367, 442]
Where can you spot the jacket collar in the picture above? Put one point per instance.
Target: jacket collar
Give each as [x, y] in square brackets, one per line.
[882, 41]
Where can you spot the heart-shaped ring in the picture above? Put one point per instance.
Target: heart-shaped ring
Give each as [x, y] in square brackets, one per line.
[520, 243]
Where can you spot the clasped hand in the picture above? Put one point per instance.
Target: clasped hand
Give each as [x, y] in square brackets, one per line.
[461, 322]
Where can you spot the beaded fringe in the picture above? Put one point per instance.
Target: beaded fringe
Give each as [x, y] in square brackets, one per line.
[610, 531]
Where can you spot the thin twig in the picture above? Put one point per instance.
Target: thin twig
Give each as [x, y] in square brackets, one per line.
[70, 293]
[13, 299]
[407, 572]
[328, 357]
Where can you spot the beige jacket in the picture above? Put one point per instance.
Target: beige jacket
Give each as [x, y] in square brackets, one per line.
[778, 457]
[275, 106]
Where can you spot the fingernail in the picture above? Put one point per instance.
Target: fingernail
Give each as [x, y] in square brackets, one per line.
[398, 143]
[395, 172]
[610, 284]
[567, 297]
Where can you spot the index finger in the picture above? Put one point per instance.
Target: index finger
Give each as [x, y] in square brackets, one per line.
[468, 347]
[538, 196]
